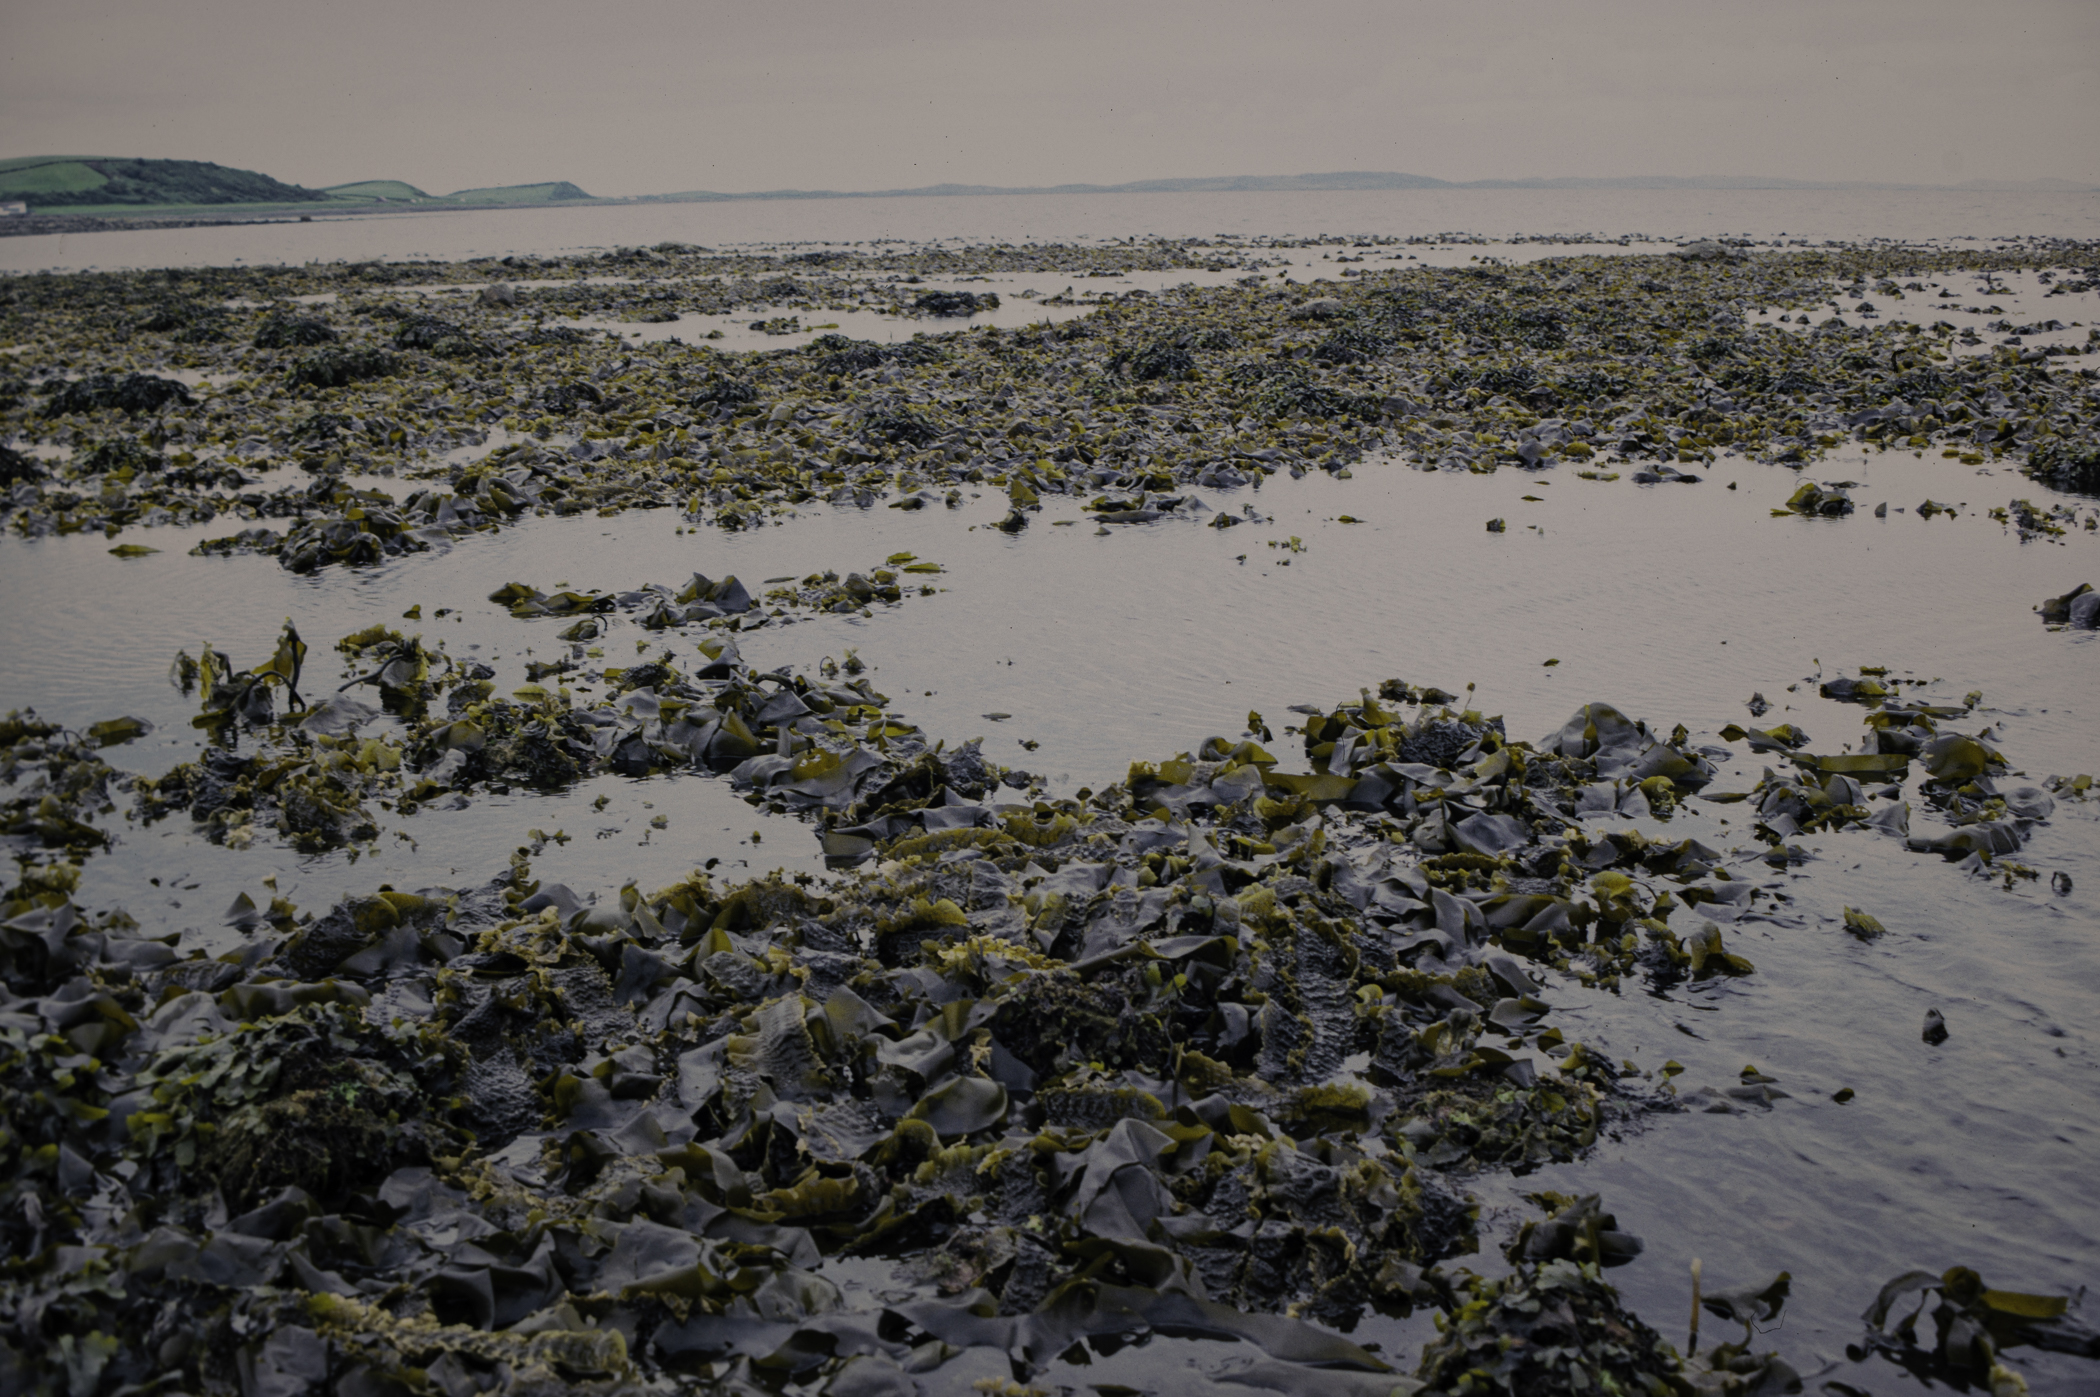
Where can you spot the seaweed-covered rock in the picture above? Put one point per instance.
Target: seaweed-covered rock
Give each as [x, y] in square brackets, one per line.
[372, 535]
[17, 468]
[281, 331]
[438, 337]
[338, 368]
[1165, 359]
[1828, 501]
[1351, 345]
[955, 303]
[114, 454]
[131, 393]
[2078, 608]
[567, 398]
[900, 426]
[723, 391]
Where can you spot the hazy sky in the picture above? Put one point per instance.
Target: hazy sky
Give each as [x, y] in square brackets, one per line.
[646, 96]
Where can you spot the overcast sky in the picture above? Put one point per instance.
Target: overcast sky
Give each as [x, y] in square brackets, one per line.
[645, 96]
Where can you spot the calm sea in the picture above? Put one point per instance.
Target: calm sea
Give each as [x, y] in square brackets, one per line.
[1813, 215]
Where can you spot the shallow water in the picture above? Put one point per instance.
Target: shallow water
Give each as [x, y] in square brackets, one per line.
[1675, 602]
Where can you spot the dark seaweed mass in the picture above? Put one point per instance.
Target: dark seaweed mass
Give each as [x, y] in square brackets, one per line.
[1210, 1052]
[1647, 362]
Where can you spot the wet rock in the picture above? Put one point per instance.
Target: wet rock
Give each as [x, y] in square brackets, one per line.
[117, 454]
[16, 468]
[954, 303]
[1826, 501]
[1707, 250]
[340, 368]
[1168, 359]
[132, 394]
[2078, 608]
[294, 332]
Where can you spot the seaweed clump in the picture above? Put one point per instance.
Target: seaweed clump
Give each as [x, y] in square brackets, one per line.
[955, 303]
[1547, 1330]
[18, 469]
[1970, 1325]
[281, 331]
[1657, 364]
[339, 368]
[1213, 1051]
[131, 394]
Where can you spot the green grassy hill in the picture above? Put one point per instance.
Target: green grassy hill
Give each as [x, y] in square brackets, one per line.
[83, 181]
[98, 184]
[399, 191]
[554, 192]
[393, 190]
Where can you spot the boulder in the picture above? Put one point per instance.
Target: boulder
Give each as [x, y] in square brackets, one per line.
[2079, 608]
[1707, 250]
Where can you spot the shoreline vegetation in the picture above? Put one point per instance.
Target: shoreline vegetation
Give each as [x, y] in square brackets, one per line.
[1215, 1052]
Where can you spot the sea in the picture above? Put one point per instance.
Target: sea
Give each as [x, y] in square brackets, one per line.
[1813, 216]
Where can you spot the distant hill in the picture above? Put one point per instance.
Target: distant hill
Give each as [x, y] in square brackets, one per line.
[394, 191]
[1348, 180]
[558, 191]
[101, 185]
[78, 181]
[105, 184]
[390, 190]
[1345, 179]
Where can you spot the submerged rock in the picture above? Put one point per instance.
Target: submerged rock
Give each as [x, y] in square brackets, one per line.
[2078, 608]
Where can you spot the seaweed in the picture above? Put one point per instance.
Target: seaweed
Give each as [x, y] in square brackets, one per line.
[338, 368]
[1971, 1323]
[954, 303]
[1438, 367]
[1086, 1064]
[18, 469]
[281, 331]
[130, 394]
[1215, 1050]
[1551, 1329]
[1165, 359]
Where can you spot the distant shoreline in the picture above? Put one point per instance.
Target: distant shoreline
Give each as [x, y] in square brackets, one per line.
[202, 216]
[47, 224]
